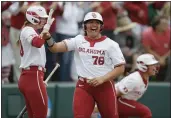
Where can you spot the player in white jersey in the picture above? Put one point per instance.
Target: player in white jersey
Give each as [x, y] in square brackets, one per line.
[33, 61]
[133, 86]
[98, 60]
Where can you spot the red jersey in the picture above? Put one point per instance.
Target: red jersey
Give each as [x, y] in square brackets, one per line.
[160, 43]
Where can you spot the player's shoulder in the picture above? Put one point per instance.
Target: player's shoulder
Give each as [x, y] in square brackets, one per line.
[133, 77]
[134, 74]
[27, 29]
[111, 42]
[79, 36]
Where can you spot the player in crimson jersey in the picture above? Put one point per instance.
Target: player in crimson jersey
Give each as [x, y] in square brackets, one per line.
[133, 86]
[33, 61]
[98, 60]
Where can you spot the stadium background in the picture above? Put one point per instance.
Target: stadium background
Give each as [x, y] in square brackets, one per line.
[120, 25]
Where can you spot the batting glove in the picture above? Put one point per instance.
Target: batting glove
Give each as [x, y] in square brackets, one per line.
[49, 21]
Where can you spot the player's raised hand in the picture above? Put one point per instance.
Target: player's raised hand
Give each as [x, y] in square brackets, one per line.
[96, 81]
[45, 35]
[49, 21]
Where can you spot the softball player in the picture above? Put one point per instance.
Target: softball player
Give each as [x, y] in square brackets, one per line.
[98, 60]
[133, 86]
[33, 61]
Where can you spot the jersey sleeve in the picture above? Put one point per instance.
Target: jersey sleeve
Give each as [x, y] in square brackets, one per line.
[126, 85]
[116, 55]
[70, 43]
[29, 34]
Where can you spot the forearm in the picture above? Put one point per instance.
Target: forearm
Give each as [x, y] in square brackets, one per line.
[57, 47]
[116, 72]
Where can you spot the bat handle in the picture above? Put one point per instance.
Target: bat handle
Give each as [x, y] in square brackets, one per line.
[57, 65]
[21, 115]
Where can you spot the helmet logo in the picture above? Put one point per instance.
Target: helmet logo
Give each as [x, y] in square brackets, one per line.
[94, 15]
[32, 13]
[125, 89]
[40, 9]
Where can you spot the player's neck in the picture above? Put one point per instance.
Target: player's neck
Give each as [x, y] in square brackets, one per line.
[31, 25]
[95, 37]
[145, 76]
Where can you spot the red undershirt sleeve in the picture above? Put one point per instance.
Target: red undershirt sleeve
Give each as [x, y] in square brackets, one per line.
[37, 42]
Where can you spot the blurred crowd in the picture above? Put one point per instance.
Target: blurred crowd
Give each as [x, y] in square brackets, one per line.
[138, 27]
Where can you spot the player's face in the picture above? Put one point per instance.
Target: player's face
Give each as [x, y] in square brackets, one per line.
[93, 29]
[42, 23]
[152, 69]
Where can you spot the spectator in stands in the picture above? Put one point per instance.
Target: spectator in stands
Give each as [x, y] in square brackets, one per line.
[51, 58]
[109, 14]
[66, 28]
[166, 11]
[156, 40]
[7, 52]
[127, 36]
[154, 9]
[138, 11]
[5, 5]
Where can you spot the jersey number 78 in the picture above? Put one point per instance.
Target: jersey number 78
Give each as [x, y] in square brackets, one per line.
[98, 60]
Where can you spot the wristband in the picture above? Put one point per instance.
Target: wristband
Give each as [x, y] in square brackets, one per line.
[50, 42]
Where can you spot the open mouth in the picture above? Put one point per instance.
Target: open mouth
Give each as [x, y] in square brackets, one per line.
[93, 29]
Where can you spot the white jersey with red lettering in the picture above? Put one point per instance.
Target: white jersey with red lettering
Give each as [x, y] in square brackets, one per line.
[132, 86]
[30, 55]
[94, 58]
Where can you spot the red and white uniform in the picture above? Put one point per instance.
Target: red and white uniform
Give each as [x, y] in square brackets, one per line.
[132, 88]
[30, 83]
[31, 55]
[94, 58]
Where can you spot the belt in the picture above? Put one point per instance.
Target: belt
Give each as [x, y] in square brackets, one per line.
[35, 68]
[83, 79]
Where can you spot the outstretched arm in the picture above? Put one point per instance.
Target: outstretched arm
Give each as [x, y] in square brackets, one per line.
[57, 47]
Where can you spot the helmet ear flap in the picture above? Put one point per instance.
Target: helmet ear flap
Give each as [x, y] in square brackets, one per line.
[36, 20]
[32, 19]
[142, 67]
